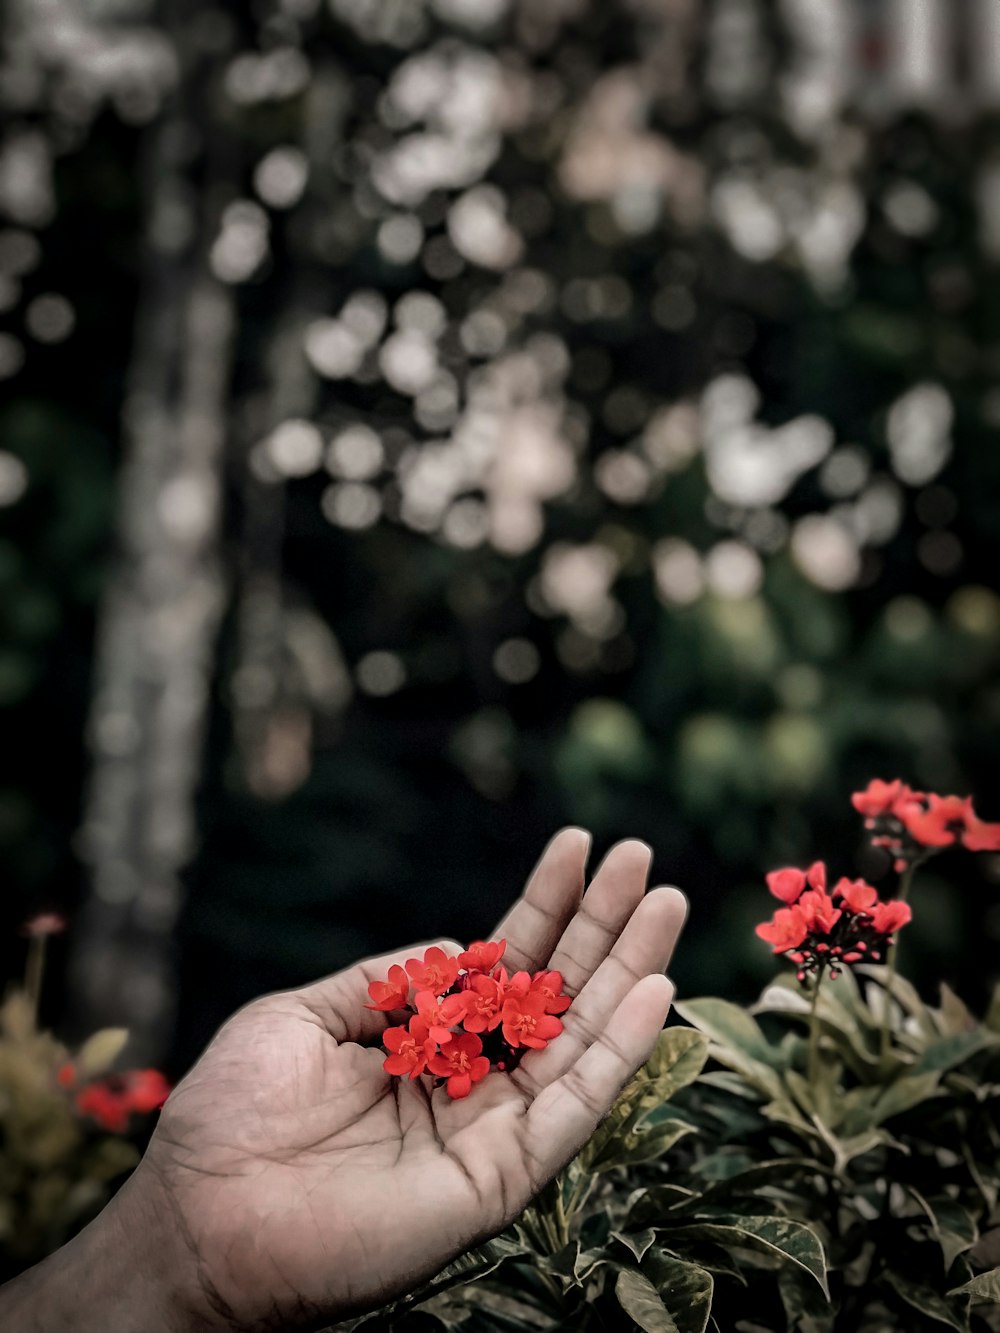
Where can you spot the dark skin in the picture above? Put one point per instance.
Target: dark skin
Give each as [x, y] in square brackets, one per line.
[291, 1182]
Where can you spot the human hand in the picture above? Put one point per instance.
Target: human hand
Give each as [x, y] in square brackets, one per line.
[291, 1181]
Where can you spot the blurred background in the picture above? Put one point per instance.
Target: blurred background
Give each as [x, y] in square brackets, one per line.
[427, 423]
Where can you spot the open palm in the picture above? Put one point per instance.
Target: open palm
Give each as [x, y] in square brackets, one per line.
[309, 1185]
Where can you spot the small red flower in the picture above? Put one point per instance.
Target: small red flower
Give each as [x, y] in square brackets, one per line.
[889, 917]
[525, 1022]
[790, 883]
[409, 1048]
[461, 1062]
[786, 930]
[980, 836]
[390, 994]
[941, 823]
[818, 911]
[482, 956]
[855, 894]
[878, 798]
[512, 987]
[549, 986]
[482, 1004]
[440, 1016]
[111, 1100]
[435, 972]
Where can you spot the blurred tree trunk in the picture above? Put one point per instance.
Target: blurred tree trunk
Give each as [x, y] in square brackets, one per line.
[165, 595]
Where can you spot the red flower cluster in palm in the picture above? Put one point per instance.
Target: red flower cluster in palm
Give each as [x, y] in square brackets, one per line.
[112, 1099]
[818, 930]
[470, 1015]
[912, 825]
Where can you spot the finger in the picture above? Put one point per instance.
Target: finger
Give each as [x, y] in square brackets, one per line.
[564, 1115]
[338, 1001]
[614, 894]
[534, 924]
[645, 947]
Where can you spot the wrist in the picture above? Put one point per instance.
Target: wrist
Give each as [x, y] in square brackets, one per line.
[127, 1270]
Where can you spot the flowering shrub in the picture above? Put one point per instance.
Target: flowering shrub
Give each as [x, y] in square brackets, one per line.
[63, 1119]
[470, 1015]
[826, 1162]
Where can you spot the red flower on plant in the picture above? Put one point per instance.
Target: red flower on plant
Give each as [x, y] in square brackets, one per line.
[789, 884]
[879, 798]
[482, 1004]
[525, 1022]
[887, 918]
[786, 929]
[111, 1100]
[818, 911]
[855, 894]
[440, 1016]
[461, 1061]
[436, 971]
[482, 955]
[409, 1048]
[390, 994]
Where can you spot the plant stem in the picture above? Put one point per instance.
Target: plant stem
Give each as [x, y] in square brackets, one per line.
[905, 884]
[812, 1067]
[34, 971]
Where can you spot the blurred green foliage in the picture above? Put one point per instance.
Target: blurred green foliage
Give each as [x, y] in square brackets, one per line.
[667, 656]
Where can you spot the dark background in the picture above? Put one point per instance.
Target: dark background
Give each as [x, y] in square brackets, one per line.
[680, 229]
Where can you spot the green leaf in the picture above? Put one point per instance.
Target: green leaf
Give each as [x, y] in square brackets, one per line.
[984, 1288]
[100, 1051]
[806, 1309]
[947, 1052]
[954, 1228]
[685, 1289]
[652, 1206]
[640, 1300]
[778, 1236]
[929, 1302]
[954, 1016]
[469, 1267]
[678, 1059]
[902, 1095]
[728, 1024]
[645, 1145]
[637, 1243]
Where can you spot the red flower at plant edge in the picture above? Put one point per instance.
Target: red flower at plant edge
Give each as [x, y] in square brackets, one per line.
[820, 930]
[111, 1100]
[912, 825]
[461, 1062]
[471, 1015]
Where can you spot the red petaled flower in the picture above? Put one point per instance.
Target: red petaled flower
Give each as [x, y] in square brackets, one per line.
[111, 1100]
[440, 1016]
[789, 884]
[482, 1004]
[549, 986]
[435, 972]
[887, 918]
[390, 994]
[409, 1048]
[525, 1022]
[912, 825]
[482, 956]
[786, 929]
[822, 930]
[461, 1062]
[855, 894]
[878, 798]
